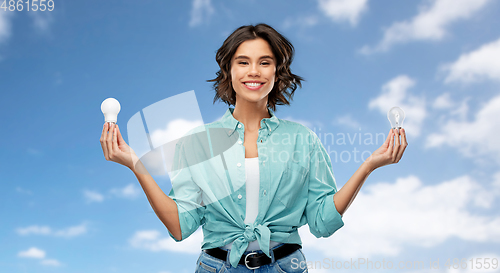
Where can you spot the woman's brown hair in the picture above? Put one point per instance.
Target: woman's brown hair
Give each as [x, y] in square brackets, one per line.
[283, 51]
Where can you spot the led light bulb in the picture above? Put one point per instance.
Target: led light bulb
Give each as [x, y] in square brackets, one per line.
[396, 116]
[110, 107]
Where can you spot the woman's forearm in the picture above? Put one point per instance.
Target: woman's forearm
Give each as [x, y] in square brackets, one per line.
[344, 197]
[389, 153]
[164, 207]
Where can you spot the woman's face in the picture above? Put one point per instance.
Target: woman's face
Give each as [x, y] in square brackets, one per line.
[253, 70]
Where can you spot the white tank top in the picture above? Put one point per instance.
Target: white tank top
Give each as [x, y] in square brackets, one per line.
[252, 197]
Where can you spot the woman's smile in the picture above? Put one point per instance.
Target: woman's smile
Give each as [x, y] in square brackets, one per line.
[253, 71]
[253, 85]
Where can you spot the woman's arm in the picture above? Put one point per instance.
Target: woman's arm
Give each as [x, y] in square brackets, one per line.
[115, 149]
[390, 152]
[164, 207]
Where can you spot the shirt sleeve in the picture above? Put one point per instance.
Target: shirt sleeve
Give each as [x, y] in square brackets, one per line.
[186, 194]
[322, 216]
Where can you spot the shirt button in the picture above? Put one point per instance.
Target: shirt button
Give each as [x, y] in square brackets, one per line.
[239, 125]
[239, 164]
[269, 129]
[239, 141]
[264, 193]
[239, 196]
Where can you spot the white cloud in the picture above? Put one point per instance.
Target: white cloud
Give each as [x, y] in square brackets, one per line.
[174, 130]
[443, 102]
[476, 138]
[93, 196]
[23, 191]
[347, 121]
[462, 110]
[151, 240]
[46, 230]
[32, 253]
[496, 183]
[130, 191]
[343, 10]
[34, 152]
[395, 93]
[446, 108]
[387, 217]
[37, 253]
[301, 121]
[480, 64]
[300, 21]
[40, 230]
[430, 23]
[51, 262]
[164, 138]
[41, 20]
[58, 79]
[71, 231]
[200, 12]
[5, 26]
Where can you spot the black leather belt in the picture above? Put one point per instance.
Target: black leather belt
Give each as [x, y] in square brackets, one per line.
[255, 260]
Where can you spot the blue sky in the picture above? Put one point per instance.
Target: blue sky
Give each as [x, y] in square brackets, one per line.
[64, 208]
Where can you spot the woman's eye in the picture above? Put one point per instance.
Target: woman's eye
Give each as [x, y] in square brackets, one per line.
[243, 63]
[265, 63]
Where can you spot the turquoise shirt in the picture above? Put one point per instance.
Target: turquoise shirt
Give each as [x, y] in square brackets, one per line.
[296, 184]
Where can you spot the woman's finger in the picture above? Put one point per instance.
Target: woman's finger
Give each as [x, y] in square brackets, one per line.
[387, 139]
[120, 138]
[391, 142]
[103, 140]
[397, 145]
[115, 144]
[109, 141]
[404, 144]
[403, 137]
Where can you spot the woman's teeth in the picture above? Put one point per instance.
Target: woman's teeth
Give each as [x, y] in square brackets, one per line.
[253, 84]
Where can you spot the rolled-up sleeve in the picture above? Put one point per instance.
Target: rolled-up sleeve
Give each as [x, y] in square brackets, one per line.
[322, 216]
[186, 194]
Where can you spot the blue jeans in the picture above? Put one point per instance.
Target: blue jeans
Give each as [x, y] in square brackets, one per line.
[295, 262]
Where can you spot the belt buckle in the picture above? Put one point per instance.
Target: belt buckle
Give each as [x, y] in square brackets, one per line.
[246, 261]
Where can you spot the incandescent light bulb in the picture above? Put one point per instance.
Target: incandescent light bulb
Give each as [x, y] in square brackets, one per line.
[110, 107]
[396, 116]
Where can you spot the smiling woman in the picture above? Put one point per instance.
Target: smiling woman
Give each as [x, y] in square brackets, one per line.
[264, 50]
[253, 76]
[276, 177]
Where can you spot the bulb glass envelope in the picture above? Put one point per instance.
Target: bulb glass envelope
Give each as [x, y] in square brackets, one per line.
[396, 117]
[110, 107]
[156, 132]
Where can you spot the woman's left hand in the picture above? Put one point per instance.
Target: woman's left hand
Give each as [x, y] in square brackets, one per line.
[390, 152]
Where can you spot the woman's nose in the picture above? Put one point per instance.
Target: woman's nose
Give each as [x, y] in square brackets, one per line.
[253, 70]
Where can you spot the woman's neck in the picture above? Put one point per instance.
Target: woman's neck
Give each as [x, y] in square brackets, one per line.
[250, 114]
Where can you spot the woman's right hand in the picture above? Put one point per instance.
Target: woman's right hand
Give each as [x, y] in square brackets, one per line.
[115, 148]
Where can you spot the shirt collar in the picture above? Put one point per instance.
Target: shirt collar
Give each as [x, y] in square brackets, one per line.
[228, 121]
